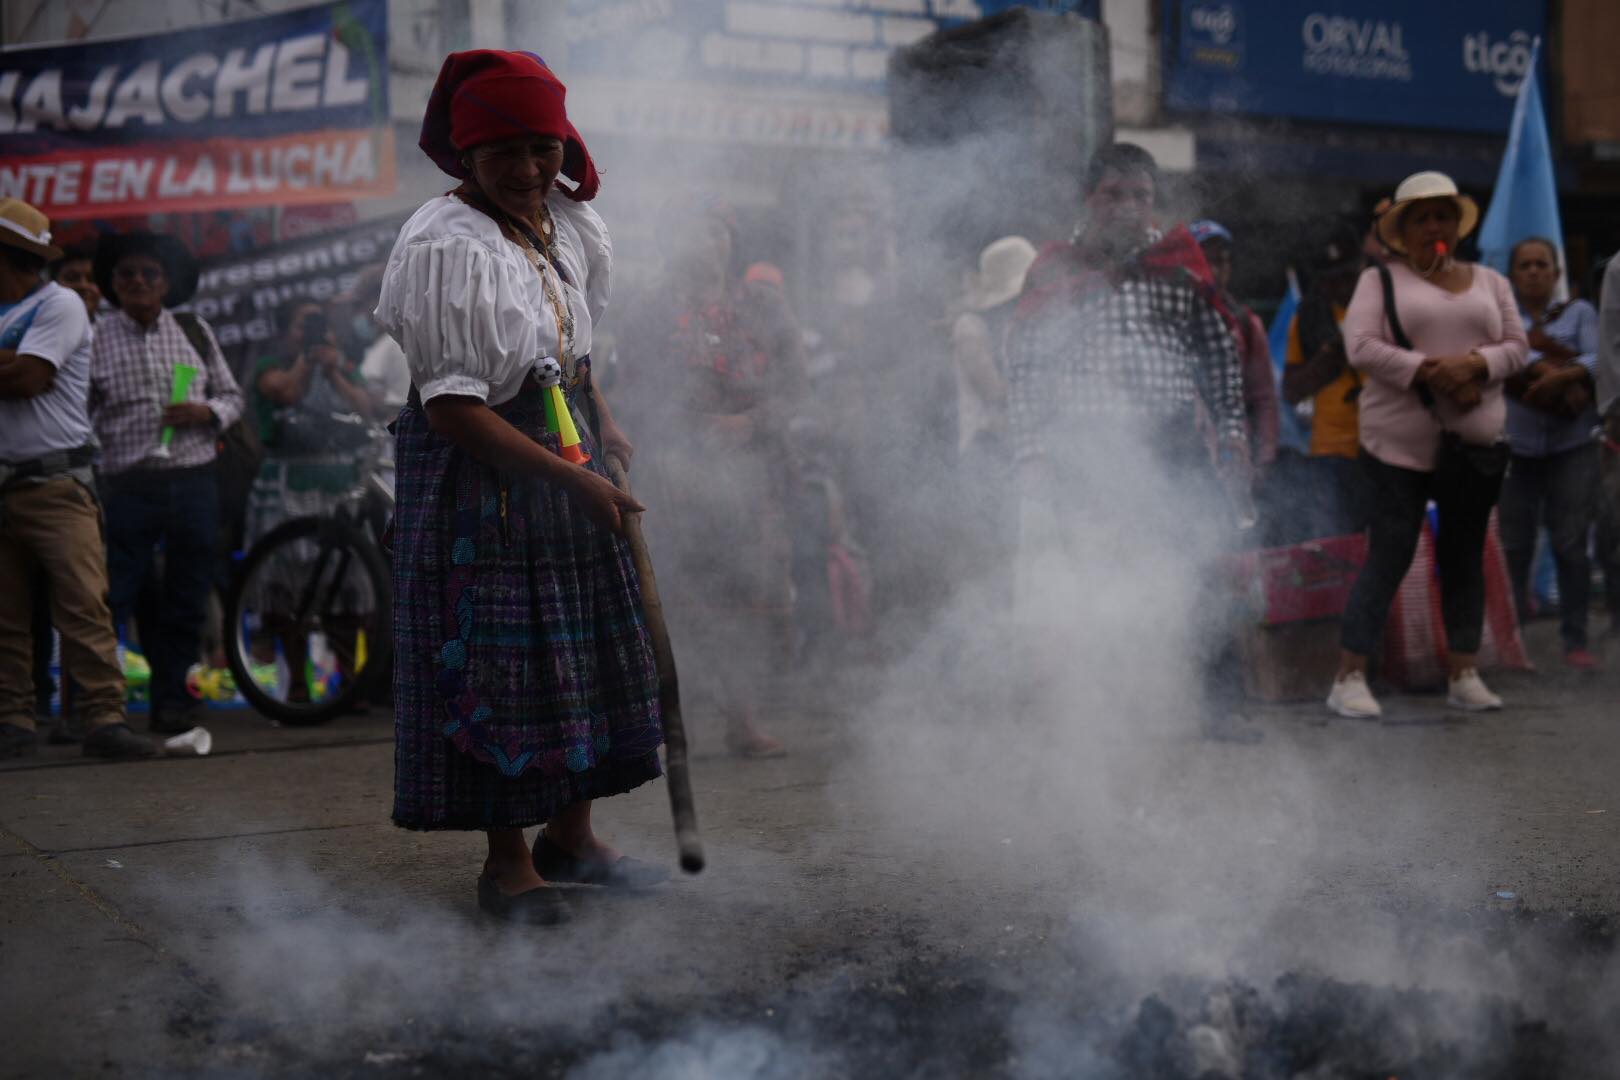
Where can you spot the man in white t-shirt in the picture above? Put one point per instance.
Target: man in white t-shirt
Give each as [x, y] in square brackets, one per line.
[50, 523]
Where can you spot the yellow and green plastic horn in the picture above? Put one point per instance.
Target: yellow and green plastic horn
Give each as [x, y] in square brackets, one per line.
[559, 421]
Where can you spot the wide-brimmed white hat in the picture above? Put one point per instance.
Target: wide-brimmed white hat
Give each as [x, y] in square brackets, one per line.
[1415, 188]
[1002, 266]
[22, 226]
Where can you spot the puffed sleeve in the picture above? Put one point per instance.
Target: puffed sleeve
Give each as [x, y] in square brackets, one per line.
[458, 315]
[595, 251]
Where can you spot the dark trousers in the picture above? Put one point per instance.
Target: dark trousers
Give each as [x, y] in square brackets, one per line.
[177, 509]
[1608, 528]
[1398, 501]
[1560, 491]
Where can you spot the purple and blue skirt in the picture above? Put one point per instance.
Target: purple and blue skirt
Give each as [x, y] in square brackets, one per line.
[524, 678]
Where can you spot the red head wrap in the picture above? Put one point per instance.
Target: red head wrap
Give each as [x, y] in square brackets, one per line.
[487, 94]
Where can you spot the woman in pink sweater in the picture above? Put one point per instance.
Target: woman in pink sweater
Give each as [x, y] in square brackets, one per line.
[1432, 416]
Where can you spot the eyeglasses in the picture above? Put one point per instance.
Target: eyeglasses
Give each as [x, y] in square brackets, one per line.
[149, 274]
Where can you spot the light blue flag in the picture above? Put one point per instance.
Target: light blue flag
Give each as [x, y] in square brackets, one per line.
[1525, 202]
[1292, 432]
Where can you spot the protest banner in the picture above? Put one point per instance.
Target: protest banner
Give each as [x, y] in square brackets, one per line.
[239, 295]
[281, 109]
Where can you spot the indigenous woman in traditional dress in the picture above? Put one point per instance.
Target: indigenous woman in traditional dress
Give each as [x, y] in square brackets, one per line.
[525, 685]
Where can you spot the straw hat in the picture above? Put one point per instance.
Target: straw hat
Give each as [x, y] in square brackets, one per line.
[1425, 185]
[1002, 266]
[21, 226]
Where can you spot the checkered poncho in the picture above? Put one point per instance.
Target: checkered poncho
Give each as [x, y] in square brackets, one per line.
[1147, 338]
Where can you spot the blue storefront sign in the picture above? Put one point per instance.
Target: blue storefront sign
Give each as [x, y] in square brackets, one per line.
[1443, 65]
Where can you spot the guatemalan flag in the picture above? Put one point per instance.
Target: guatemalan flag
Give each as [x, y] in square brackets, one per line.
[1525, 202]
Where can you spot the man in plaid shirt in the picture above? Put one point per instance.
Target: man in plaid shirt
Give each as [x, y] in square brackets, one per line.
[156, 494]
[1119, 360]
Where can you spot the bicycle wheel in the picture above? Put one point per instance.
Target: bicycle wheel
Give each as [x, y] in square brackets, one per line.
[309, 621]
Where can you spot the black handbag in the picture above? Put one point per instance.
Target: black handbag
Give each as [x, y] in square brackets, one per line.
[1455, 457]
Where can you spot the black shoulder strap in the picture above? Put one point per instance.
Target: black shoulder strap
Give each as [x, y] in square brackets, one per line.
[1398, 332]
[1390, 313]
[191, 326]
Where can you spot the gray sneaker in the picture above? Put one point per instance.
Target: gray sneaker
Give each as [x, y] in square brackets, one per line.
[117, 741]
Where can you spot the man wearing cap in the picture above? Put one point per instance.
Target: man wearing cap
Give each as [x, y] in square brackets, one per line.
[159, 492]
[49, 521]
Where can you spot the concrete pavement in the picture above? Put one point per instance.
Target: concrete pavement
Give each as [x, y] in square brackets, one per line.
[254, 913]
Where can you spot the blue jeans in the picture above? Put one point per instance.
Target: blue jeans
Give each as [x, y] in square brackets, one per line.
[1560, 491]
[177, 510]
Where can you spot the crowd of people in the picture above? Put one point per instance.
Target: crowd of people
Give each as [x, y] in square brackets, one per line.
[525, 686]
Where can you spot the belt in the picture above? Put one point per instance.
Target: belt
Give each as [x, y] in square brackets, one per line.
[58, 461]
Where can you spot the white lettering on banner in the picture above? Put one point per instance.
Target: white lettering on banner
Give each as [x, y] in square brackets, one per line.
[310, 71]
[1354, 48]
[148, 179]
[298, 73]
[88, 116]
[263, 170]
[252, 79]
[199, 181]
[1506, 61]
[42, 102]
[185, 107]
[137, 97]
[339, 89]
[38, 184]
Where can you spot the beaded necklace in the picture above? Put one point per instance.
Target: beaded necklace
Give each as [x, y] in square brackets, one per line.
[544, 261]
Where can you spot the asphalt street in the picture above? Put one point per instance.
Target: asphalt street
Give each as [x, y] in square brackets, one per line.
[254, 912]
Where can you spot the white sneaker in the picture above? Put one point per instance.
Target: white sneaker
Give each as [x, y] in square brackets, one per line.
[1350, 697]
[1468, 691]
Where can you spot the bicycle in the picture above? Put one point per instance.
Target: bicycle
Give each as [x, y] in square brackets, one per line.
[309, 616]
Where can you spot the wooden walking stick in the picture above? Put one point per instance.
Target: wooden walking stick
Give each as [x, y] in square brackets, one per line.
[669, 686]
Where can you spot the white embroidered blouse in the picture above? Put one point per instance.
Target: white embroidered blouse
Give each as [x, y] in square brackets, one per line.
[469, 309]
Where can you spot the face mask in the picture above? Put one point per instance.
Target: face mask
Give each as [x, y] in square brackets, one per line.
[360, 326]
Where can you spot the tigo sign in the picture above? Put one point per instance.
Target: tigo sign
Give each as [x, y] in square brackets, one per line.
[1360, 61]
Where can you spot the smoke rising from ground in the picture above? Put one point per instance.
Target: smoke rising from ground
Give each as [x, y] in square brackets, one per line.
[1021, 833]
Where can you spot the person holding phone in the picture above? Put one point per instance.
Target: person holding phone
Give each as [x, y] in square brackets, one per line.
[300, 393]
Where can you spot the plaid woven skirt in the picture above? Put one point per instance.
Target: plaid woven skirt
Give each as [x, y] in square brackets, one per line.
[524, 678]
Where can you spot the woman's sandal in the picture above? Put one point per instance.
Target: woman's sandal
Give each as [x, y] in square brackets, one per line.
[554, 864]
[544, 906]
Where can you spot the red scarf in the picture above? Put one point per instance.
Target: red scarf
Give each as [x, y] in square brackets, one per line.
[1061, 273]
